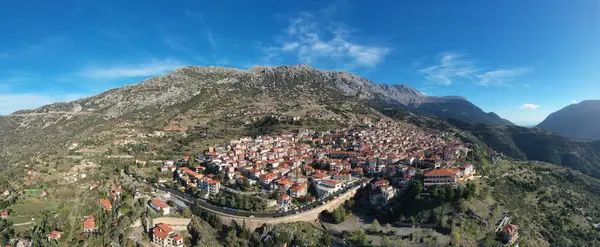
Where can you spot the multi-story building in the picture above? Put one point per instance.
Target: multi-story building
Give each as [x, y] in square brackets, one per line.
[268, 178]
[212, 186]
[325, 187]
[163, 236]
[441, 177]
[299, 190]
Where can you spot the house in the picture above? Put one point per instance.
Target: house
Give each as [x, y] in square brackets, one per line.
[285, 202]
[381, 193]
[24, 243]
[212, 186]
[178, 241]
[466, 170]
[268, 178]
[163, 236]
[511, 233]
[4, 214]
[284, 184]
[159, 206]
[357, 172]
[105, 204]
[326, 187]
[441, 177]
[54, 235]
[89, 224]
[299, 190]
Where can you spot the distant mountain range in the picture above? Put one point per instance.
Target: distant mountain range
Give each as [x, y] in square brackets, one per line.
[580, 120]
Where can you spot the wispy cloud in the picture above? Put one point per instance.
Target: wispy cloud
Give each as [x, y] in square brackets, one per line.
[574, 101]
[176, 44]
[10, 103]
[500, 76]
[136, 70]
[314, 39]
[528, 107]
[452, 67]
[211, 39]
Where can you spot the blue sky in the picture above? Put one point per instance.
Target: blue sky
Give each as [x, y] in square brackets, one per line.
[520, 59]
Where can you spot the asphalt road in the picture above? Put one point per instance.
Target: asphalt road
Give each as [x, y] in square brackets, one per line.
[191, 200]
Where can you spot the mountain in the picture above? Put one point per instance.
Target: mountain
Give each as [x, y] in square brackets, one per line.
[577, 120]
[515, 142]
[223, 99]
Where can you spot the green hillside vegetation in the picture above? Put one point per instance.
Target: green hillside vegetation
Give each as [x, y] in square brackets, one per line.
[517, 143]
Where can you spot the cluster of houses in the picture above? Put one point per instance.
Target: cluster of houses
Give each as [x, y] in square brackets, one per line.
[328, 160]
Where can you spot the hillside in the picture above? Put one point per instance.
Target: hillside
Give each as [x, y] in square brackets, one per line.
[518, 143]
[577, 120]
[221, 99]
[553, 205]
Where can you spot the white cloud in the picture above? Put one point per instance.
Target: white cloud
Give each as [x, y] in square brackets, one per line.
[574, 101]
[144, 69]
[452, 67]
[528, 107]
[500, 76]
[10, 103]
[319, 41]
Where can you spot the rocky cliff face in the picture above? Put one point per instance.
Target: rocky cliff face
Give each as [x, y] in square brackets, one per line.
[577, 120]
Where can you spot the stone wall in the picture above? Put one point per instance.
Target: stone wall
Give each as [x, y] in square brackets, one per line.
[307, 216]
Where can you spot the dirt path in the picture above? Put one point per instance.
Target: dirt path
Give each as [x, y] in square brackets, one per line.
[23, 224]
[514, 173]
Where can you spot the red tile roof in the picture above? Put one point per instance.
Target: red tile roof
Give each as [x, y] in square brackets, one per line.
[283, 181]
[441, 172]
[159, 203]
[106, 203]
[320, 176]
[89, 223]
[161, 235]
[268, 176]
[163, 227]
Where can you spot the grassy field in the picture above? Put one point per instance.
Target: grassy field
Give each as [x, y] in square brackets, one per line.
[30, 207]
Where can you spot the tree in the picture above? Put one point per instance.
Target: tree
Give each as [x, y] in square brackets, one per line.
[419, 187]
[187, 212]
[388, 228]
[376, 225]
[449, 193]
[386, 242]
[339, 215]
[359, 238]
[231, 238]
[455, 237]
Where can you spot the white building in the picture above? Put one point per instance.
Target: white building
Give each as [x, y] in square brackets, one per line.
[159, 205]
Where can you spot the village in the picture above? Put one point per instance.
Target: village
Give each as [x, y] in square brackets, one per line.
[292, 172]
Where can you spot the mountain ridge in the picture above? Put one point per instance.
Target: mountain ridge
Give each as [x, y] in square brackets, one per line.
[178, 81]
[217, 97]
[576, 120]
